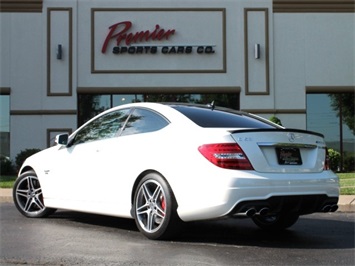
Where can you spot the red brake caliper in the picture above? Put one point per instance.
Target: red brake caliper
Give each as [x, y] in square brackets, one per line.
[163, 204]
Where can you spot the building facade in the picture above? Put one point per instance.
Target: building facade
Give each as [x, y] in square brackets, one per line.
[63, 61]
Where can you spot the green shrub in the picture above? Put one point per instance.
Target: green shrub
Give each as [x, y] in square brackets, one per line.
[349, 163]
[275, 120]
[334, 159]
[23, 155]
[6, 167]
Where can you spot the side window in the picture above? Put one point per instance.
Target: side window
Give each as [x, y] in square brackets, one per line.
[106, 126]
[143, 121]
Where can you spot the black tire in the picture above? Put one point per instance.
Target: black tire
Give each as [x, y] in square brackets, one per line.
[154, 208]
[28, 197]
[276, 222]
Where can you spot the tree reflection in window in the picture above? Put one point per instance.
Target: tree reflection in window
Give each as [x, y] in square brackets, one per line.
[91, 105]
[143, 121]
[106, 126]
[230, 100]
[344, 106]
[333, 116]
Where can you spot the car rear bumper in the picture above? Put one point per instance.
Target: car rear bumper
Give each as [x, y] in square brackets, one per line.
[300, 204]
[272, 193]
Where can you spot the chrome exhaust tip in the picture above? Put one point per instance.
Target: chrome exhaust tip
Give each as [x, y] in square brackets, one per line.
[250, 212]
[264, 211]
[326, 208]
[334, 208]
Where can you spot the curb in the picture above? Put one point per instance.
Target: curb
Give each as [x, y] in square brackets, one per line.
[6, 195]
[346, 202]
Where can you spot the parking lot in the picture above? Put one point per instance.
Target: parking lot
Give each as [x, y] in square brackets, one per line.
[72, 238]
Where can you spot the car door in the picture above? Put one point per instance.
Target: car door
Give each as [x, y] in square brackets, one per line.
[102, 161]
[77, 174]
[123, 159]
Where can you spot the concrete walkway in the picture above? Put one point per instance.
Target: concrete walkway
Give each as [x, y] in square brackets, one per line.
[346, 203]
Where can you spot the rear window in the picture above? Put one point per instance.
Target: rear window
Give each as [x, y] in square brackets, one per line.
[143, 121]
[206, 117]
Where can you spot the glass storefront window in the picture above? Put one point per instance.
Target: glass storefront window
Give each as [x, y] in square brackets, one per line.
[5, 125]
[119, 99]
[90, 105]
[220, 99]
[321, 118]
[333, 116]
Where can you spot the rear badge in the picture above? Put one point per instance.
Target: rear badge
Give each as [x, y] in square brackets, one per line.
[245, 139]
[291, 137]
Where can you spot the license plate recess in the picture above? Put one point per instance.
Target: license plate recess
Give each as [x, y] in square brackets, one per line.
[288, 156]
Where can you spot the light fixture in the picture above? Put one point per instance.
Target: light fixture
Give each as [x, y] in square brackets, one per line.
[257, 51]
[59, 52]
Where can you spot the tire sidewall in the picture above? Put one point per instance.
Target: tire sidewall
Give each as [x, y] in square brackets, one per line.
[170, 212]
[39, 214]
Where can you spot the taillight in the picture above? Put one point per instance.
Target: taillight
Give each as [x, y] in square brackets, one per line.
[226, 155]
[326, 161]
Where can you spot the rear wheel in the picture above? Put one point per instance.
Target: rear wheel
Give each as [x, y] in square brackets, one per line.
[155, 208]
[28, 196]
[276, 221]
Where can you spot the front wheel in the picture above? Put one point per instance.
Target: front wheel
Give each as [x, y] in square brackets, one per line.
[154, 208]
[28, 197]
[276, 221]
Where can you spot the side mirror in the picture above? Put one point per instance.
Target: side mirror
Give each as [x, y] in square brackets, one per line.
[62, 139]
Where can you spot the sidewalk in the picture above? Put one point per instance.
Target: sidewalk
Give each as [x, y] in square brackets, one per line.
[346, 203]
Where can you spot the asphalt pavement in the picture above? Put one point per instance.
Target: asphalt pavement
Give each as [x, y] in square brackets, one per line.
[346, 202]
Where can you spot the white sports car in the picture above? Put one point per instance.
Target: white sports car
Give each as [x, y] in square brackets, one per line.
[165, 164]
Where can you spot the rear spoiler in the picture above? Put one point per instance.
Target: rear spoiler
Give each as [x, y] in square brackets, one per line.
[277, 130]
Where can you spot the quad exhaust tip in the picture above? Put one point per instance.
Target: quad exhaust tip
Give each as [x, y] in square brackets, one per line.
[252, 211]
[265, 210]
[330, 208]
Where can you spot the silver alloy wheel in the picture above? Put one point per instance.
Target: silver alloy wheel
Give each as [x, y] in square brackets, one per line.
[29, 196]
[150, 206]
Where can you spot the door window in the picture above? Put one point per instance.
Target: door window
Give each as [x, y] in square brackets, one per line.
[106, 126]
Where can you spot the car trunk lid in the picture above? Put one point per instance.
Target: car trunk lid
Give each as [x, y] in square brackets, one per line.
[282, 150]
